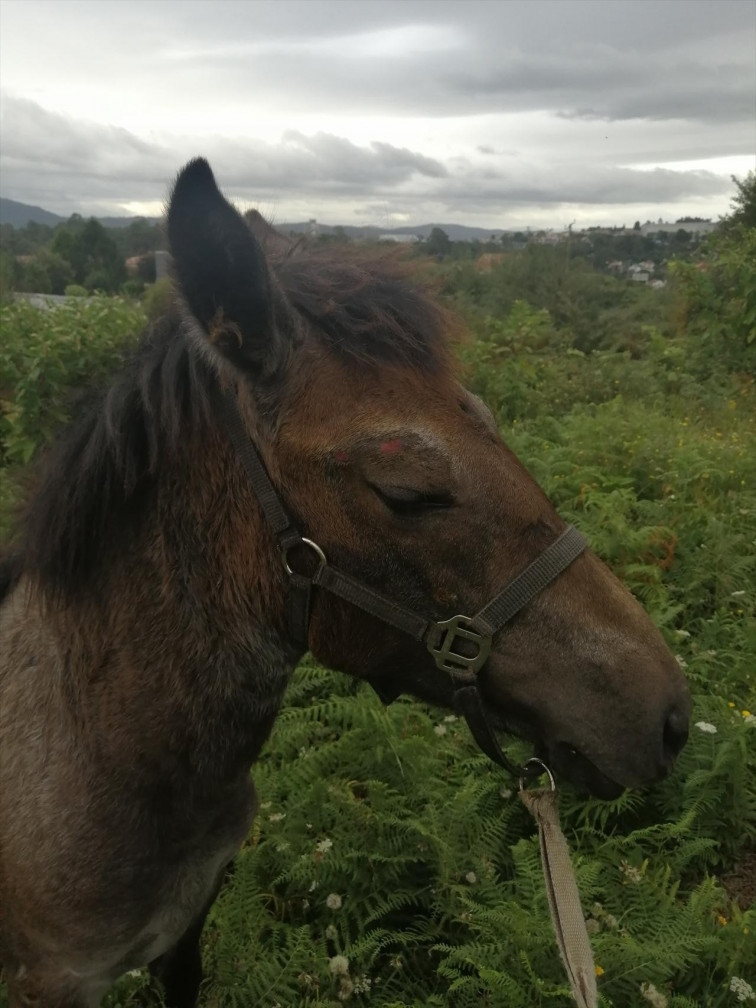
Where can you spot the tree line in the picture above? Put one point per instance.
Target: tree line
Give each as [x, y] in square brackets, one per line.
[78, 256]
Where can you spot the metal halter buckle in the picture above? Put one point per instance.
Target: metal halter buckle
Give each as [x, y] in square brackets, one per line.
[441, 640]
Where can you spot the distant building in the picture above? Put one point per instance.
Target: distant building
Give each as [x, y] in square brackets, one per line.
[486, 262]
[401, 239]
[669, 227]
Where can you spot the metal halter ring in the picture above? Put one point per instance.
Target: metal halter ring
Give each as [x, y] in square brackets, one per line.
[322, 562]
[535, 762]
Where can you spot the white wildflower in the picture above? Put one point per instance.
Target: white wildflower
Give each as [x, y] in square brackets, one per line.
[346, 989]
[705, 726]
[266, 805]
[362, 985]
[439, 729]
[681, 661]
[313, 886]
[630, 872]
[682, 633]
[283, 846]
[750, 719]
[505, 792]
[396, 963]
[331, 933]
[450, 718]
[711, 653]
[737, 594]
[742, 989]
[339, 965]
[323, 846]
[333, 901]
[471, 877]
[277, 816]
[653, 996]
[611, 921]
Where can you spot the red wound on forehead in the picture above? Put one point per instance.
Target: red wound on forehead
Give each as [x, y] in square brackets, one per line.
[391, 447]
[342, 456]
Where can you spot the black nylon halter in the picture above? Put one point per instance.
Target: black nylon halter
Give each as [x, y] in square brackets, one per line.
[449, 640]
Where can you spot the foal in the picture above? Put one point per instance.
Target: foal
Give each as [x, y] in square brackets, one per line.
[145, 631]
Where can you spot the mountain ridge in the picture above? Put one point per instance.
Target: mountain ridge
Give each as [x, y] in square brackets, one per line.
[18, 215]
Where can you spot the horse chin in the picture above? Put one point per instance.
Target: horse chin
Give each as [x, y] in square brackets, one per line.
[564, 761]
[573, 766]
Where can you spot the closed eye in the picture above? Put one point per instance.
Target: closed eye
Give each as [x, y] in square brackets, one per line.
[407, 502]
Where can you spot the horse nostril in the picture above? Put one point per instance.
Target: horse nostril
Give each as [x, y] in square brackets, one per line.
[675, 734]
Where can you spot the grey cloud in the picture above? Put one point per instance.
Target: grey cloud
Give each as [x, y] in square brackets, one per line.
[71, 162]
[583, 184]
[612, 60]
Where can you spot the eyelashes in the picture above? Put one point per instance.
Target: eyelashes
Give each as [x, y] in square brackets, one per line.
[407, 502]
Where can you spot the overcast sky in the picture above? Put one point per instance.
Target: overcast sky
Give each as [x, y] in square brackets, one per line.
[498, 113]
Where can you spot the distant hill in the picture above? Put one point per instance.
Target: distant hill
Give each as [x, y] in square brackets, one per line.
[457, 232]
[20, 214]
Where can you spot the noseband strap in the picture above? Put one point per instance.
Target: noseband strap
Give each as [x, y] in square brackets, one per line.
[459, 645]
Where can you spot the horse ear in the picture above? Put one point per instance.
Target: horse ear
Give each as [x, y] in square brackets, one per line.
[270, 239]
[223, 274]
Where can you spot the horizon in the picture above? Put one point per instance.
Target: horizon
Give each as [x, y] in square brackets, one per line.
[63, 218]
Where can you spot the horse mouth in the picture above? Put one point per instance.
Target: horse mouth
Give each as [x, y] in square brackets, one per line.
[565, 761]
[569, 763]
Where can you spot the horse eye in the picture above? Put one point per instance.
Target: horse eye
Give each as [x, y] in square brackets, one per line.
[407, 502]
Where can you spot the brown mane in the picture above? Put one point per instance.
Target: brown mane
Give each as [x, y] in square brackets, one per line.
[368, 309]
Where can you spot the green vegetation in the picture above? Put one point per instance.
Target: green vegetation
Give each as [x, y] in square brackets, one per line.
[390, 863]
[46, 260]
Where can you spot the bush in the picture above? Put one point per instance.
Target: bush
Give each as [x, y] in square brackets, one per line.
[158, 298]
[48, 355]
[717, 302]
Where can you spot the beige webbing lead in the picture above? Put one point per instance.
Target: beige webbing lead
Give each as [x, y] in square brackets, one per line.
[564, 899]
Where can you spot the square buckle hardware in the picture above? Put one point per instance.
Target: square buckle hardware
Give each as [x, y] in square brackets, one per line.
[442, 637]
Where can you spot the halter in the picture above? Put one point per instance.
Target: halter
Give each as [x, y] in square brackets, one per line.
[459, 646]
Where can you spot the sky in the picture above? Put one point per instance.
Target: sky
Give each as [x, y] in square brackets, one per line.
[494, 113]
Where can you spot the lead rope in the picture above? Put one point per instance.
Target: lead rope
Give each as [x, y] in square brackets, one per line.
[561, 889]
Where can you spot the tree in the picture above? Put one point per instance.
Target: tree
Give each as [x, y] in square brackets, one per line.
[92, 254]
[743, 202]
[438, 243]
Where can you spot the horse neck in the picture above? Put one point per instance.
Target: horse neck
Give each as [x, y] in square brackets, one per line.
[186, 640]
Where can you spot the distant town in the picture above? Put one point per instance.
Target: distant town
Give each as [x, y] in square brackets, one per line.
[47, 254]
